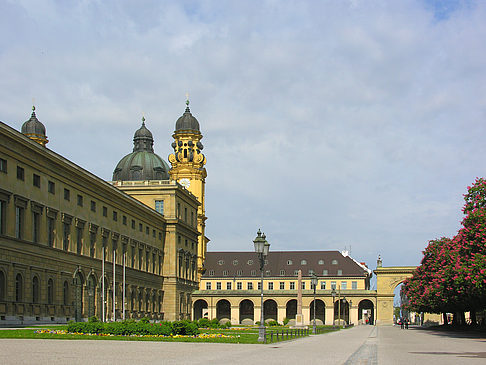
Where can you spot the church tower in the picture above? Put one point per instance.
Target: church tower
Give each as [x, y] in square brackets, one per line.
[188, 169]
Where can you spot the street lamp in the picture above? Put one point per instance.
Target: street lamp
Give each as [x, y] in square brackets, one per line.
[314, 284]
[261, 248]
[349, 310]
[333, 293]
[344, 314]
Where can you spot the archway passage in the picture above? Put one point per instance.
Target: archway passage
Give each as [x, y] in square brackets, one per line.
[291, 309]
[341, 312]
[200, 309]
[223, 310]
[320, 312]
[270, 310]
[366, 312]
[247, 312]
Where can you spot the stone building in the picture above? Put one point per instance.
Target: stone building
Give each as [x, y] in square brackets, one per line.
[230, 288]
[73, 245]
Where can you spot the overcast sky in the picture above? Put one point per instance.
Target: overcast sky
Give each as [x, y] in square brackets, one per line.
[328, 124]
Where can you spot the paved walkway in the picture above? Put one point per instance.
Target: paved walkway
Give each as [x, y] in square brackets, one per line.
[360, 345]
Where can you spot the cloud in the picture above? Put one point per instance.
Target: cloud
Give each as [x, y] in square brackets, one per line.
[325, 123]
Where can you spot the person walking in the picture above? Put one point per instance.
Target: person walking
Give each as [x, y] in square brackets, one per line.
[401, 323]
[406, 323]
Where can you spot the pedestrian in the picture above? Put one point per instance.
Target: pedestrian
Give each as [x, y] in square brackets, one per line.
[401, 323]
[406, 323]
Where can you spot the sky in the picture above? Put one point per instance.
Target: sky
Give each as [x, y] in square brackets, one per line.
[330, 125]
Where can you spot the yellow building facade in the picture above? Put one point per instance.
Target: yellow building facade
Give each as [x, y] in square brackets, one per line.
[73, 246]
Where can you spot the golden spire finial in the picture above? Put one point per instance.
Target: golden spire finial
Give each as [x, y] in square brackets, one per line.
[33, 104]
[143, 118]
[187, 99]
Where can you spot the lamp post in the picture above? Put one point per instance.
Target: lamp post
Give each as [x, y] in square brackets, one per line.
[349, 310]
[261, 248]
[314, 284]
[333, 293]
[339, 306]
[344, 312]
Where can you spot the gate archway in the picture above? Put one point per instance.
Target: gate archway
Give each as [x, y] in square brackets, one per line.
[320, 312]
[91, 291]
[270, 310]
[247, 312]
[223, 310]
[78, 281]
[200, 309]
[366, 312]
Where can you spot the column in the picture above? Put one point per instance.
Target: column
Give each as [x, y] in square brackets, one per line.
[235, 314]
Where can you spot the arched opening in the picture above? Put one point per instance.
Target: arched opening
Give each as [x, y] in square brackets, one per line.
[19, 288]
[2, 285]
[269, 310]
[50, 291]
[91, 290]
[366, 312]
[35, 289]
[78, 296]
[320, 312]
[341, 312]
[291, 309]
[200, 309]
[247, 312]
[400, 302]
[223, 310]
[65, 293]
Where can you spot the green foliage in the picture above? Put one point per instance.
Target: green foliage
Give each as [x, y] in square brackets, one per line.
[214, 323]
[286, 321]
[203, 323]
[145, 320]
[130, 327]
[227, 324]
[93, 319]
[273, 323]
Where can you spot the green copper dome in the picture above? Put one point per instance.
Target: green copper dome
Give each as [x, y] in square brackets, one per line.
[142, 163]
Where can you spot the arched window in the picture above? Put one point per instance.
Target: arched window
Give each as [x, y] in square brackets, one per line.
[18, 288]
[65, 293]
[35, 289]
[50, 291]
[2, 285]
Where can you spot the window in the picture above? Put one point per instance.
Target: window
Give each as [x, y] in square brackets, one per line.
[334, 262]
[303, 262]
[3, 207]
[178, 213]
[20, 173]
[239, 285]
[266, 262]
[235, 262]
[270, 285]
[292, 285]
[268, 273]
[65, 293]
[140, 227]
[19, 288]
[147, 261]
[185, 215]
[124, 220]
[92, 243]
[192, 218]
[282, 272]
[250, 262]
[323, 285]
[344, 285]
[79, 240]
[51, 187]
[132, 260]
[147, 230]
[354, 285]
[220, 262]
[3, 287]
[325, 272]
[19, 222]
[249, 286]
[153, 233]
[259, 285]
[115, 216]
[333, 285]
[225, 272]
[36, 180]
[289, 262]
[67, 194]
[208, 285]
[3, 165]
[253, 272]
[239, 272]
[282, 285]
[133, 223]
[320, 262]
[93, 206]
[35, 226]
[185, 243]
[211, 272]
[105, 212]
[65, 236]
[50, 291]
[311, 272]
[35, 289]
[140, 252]
[218, 285]
[159, 206]
[303, 285]
[340, 272]
[296, 272]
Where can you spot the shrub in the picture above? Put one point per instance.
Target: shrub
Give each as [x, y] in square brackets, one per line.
[286, 321]
[93, 319]
[203, 322]
[214, 323]
[227, 324]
